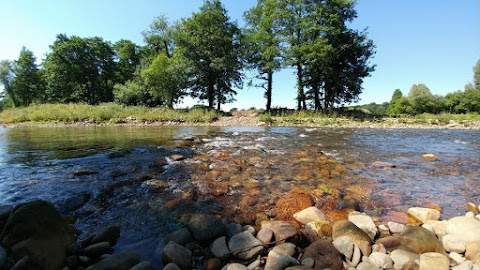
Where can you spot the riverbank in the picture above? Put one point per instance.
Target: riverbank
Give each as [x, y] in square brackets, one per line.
[307, 241]
[110, 114]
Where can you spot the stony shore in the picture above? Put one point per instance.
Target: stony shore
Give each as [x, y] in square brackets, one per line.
[252, 120]
[36, 236]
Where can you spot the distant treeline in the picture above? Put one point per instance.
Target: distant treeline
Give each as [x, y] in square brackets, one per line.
[204, 56]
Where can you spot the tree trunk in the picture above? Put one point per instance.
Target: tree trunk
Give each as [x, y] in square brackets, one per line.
[268, 94]
[219, 95]
[301, 105]
[316, 96]
[211, 94]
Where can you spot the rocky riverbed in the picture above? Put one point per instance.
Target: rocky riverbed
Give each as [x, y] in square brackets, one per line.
[37, 236]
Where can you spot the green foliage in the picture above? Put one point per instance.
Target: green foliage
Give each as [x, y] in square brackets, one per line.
[28, 86]
[209, 44]
[80, 70]
[128, 59]
[263, 49]
[476, 75]
[165, 79]
[266, 118]
[102, 114]
[133, 92]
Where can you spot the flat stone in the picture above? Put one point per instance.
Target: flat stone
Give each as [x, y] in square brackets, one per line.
[356, 257]
[245, 246]
[276, 261]
[143, 266]
[171, 266]
[309, 214]
[320, 228]
[429, 157]
[98, 249]
[439, 226]
[434, 261]
[180, 237]
[282, 230]
[466, 265]
[324, 254]
[308, 262]
[452, 244]
[232, 229]
[74, 202]
[219, 248]
[401, 258]
[364, 222]
[122, 261]
[473, 252]
[287, 249]
[234, 266]
[381, 260]
[424, 214]
[359, 237]
[109, 234]
[345, 245]
[177, 254]
[420, 240]
[457, 258]
[206, 228]
[395, 227]
[464, 229]
[265, 235]
[471, 207]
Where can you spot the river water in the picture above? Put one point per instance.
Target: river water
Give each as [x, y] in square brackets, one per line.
[239, 173]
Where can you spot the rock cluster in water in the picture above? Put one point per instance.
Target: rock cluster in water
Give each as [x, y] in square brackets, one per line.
[36, 236]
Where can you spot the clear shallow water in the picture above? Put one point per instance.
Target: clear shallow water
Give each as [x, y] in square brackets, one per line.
[40, 163]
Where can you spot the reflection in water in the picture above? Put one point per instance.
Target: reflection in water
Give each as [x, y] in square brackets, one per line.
[238, 173]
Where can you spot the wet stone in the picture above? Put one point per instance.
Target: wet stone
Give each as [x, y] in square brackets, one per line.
[277, 261]
[171, 266]
[213, 264]
[265, 235]
[324, 254]
[98, 249]
[206, 228]
[219, 248]
[177, 254]
[109, 234]
[74, 202]
[122, 261]
[180, 237]
[143, 266]
[308, 262]
[245, 246]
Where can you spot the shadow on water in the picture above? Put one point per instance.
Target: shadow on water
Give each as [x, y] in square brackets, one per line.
[149, 180]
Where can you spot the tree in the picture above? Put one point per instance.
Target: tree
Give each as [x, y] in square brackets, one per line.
[476, 75]
[421, 98]
[209, 42]
[80, 70]
[159, 38]
[399, 105]
[263, 49]
[7, 78]
[128, 58]
[27, 84]
[165, 79]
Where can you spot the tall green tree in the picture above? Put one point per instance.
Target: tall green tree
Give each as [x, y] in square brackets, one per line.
[159, 38]
[476, 75]
[421, 98]
[263, 44]
[210, 45]
[128, 59]
[399, 105]
[165, 79]
[80, 70]
[7, 78]
[28, 84]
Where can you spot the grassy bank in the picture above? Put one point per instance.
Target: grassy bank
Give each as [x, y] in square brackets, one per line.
[108, 113]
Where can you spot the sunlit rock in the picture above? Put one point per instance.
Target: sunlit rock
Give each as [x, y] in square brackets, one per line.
[424, 214]
[434, 261]
[364, 222]
[359, 237]
[429, 157]
[420, 240]
[310, 214]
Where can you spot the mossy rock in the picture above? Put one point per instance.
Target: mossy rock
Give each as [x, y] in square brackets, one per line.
[38, 230]
[37, 219]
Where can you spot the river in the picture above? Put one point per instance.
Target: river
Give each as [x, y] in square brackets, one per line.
[130, 178]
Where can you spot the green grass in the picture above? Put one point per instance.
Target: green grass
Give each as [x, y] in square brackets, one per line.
[102, 114]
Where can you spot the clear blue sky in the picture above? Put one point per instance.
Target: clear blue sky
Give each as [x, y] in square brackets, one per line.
[435, 42]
